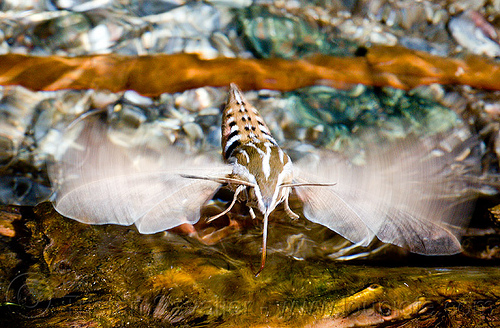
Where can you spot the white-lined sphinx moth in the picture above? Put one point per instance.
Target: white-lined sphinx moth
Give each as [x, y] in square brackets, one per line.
[408, 196]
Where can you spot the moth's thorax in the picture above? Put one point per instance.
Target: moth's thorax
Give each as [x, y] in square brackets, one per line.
[256, 157]
[264, 161]
[265, 165]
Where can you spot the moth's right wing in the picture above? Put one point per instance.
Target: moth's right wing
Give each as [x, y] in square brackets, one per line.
[101, 179]
[414, 195]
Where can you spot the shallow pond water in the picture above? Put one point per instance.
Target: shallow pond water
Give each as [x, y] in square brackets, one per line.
[61, 273]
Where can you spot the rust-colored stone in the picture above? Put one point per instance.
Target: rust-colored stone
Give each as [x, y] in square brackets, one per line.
[152, 75]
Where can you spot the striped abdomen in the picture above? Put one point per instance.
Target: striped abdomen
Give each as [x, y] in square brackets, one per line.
[241, 124]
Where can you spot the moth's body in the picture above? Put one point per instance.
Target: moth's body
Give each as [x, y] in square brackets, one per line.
[256, 158]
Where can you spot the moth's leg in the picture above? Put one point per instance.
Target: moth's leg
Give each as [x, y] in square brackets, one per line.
[249, 204]
[210, 238]
[235, 197]
[288, 211]
[216, 236]
[252, 214]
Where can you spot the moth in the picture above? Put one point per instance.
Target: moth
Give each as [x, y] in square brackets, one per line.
[411, 195]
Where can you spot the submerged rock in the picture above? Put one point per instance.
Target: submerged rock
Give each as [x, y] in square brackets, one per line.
[18, 190]
[473, 32]
[272, 35]
[341, 119]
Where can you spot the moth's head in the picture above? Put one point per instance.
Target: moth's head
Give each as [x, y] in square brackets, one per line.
[268, 168]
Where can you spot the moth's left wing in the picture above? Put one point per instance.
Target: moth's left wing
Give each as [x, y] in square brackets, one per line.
[101, 178]
[182, 200]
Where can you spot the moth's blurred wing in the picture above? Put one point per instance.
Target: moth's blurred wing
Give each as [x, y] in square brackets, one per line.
[324, 205]
[99, 181]
[414, 195]
[185, 198]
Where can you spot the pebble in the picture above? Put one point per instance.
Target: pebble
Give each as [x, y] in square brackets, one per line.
[474, 33]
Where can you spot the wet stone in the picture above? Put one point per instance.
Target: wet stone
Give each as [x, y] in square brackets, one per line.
[271, 35]
[472, 31]
[146, 8]
[17, 190]
[64, 32]
[337, 118]
[285, 29]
